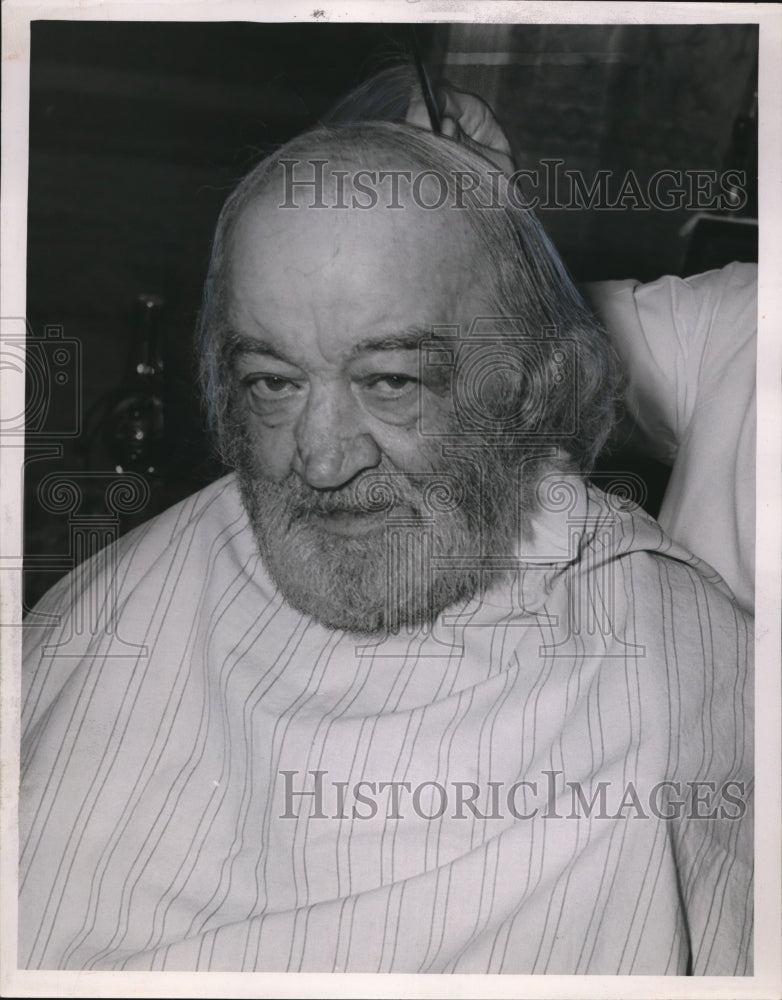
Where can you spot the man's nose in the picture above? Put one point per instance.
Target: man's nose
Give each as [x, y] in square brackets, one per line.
[332, 446]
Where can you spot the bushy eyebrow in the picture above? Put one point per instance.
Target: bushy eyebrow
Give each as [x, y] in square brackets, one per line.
[239, 344]
[408, 340]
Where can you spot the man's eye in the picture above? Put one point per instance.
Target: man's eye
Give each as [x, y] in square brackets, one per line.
[392, 385]
[271, 386]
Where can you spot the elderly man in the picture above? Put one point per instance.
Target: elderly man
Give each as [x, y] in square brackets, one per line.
[403, 693]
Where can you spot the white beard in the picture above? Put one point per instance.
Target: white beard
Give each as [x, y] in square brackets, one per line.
[387, 577]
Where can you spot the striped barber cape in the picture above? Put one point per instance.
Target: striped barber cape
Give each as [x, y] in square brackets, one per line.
[554, 778]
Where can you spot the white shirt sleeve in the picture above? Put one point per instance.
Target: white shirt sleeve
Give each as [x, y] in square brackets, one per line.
[689, 349]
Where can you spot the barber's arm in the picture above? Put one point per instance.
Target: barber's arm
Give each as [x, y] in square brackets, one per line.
[689, 351]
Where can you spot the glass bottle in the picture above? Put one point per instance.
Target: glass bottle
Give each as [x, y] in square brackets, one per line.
[134, 425]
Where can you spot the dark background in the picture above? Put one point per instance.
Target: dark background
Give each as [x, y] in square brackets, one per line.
[138, 131]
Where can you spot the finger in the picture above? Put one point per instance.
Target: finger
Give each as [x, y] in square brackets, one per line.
[476, 119]
[417, 112]
[449, 127]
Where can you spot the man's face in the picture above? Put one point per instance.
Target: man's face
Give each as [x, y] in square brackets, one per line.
[327, 308]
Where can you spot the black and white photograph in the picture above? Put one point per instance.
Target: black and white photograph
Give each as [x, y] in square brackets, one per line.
[390, 459]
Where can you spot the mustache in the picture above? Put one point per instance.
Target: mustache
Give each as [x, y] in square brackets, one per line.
[375, 492]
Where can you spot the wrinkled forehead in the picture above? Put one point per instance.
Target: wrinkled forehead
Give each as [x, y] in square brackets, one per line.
[328, 264]
[339, 214]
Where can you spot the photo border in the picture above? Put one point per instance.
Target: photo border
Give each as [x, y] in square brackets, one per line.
[767, 979]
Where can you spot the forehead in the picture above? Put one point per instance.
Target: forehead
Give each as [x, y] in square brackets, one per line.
[352, 269]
